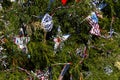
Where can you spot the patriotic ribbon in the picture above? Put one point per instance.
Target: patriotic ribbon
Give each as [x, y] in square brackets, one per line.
[64, 70]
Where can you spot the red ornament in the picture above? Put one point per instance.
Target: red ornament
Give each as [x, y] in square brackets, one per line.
[64, 2]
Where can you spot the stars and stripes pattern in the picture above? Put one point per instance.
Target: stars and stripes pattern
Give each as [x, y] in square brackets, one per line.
[93, 21]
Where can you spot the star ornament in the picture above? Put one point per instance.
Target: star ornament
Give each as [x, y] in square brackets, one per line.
[59, 40]
[21, 42]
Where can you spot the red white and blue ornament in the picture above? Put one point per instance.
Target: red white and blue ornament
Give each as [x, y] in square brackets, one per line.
[47, 22]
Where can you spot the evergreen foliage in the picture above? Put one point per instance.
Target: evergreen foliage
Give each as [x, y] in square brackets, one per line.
[101, 52]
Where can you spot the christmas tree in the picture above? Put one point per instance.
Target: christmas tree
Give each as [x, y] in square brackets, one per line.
[59, 40]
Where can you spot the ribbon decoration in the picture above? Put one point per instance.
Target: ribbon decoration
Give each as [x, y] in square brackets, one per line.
[65, 68]
[47, 22]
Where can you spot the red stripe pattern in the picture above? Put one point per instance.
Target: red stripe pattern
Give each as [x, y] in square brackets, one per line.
[95, 26]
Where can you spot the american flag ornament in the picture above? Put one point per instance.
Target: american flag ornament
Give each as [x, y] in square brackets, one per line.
[93, 21]
[47, 22]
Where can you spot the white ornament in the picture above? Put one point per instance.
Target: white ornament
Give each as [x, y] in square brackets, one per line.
[47, 22]
[108, 70]
[59, 40]
[65, 37]
[21, 42]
